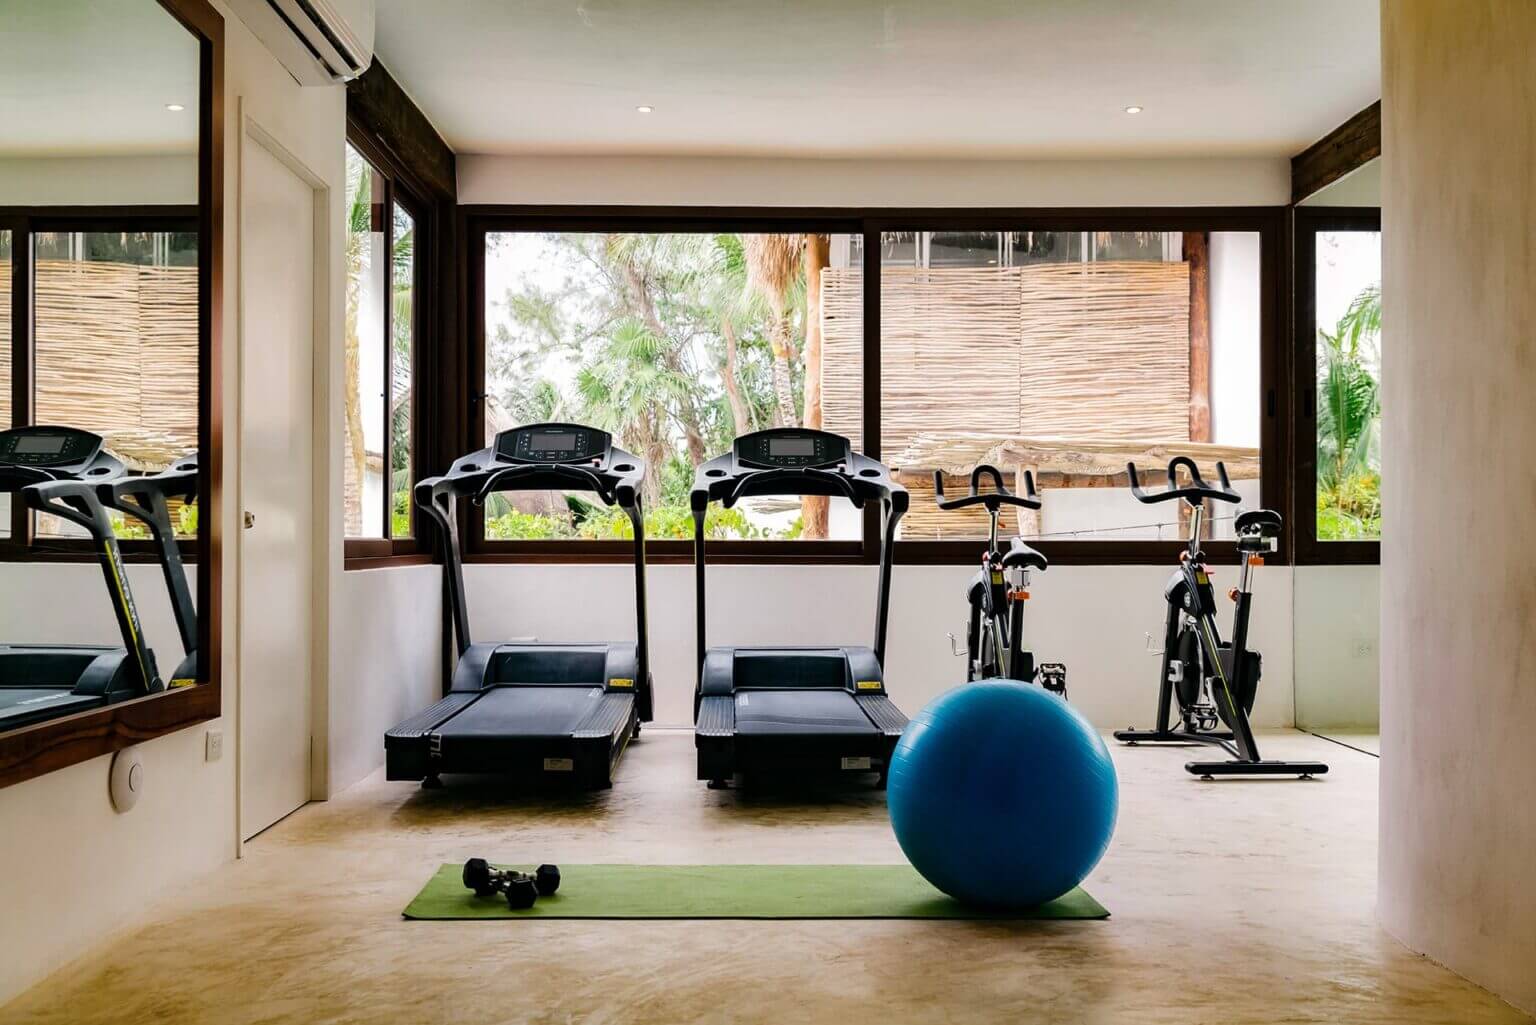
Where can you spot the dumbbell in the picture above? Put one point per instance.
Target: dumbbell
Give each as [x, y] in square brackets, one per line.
[520, 888]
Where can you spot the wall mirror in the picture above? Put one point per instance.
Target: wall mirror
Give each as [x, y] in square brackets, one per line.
[108, 356]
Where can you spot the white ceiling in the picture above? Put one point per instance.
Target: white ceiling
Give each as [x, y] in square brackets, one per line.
[858, 78]
[92, 78]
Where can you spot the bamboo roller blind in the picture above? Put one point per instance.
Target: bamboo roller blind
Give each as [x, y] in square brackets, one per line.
[1069, 350]
[115, 352]
[1098, 350]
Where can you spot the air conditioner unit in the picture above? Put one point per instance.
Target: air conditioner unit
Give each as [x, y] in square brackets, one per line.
[320, 42]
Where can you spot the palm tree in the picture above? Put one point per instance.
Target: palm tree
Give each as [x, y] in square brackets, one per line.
[625, 389]
[1349, 404]
[773, 269]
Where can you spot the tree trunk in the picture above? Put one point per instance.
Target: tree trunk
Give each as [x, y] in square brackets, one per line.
[814, 509]
[1197, 252]
[781, 339]
[355, 467]
[740, 415]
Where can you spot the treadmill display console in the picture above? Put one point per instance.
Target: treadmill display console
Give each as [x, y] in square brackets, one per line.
[551, 443]
[797, 448]
[47, 446]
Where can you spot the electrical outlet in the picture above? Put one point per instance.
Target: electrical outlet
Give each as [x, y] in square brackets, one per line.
[214, 747]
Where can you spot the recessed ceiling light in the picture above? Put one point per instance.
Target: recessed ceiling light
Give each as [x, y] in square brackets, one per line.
[1133, 109]
[645, 108]
[175, 108]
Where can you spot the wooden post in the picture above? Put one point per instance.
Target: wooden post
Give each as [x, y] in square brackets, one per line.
[1197, 252]
[1029, 520]
[813, 508]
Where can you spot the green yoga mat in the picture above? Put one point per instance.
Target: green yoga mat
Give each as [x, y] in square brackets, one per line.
[731, 891]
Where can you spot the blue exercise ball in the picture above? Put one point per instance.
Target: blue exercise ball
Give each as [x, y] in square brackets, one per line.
[1002, 795]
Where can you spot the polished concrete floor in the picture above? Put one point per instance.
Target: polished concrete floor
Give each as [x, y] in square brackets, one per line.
[1232, 902]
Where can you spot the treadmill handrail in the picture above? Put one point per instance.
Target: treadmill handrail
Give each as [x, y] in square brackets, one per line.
[145, 498]
[77, 502]
[751, 483]
[503, 478]
[484, 473]
[858, 478]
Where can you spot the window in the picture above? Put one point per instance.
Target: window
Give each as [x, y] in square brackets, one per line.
[1338, 359]
[675, 343]
[381, 329]
[113, 344]
[1069, 354]
[1067, 347]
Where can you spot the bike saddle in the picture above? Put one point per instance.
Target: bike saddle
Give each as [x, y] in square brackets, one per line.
[1264, 522]
[1020, 554]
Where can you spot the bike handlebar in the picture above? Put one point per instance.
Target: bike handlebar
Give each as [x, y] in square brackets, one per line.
[995, 499]
[1196, 491]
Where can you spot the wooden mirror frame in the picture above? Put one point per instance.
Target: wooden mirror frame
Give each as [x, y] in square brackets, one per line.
[43, 747]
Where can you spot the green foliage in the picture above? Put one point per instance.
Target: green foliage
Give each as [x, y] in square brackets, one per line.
[671, 522]
[186, 520]
[514, 525]
[1349, 423]
[668, 522]
[1350, 511]
[400, 511]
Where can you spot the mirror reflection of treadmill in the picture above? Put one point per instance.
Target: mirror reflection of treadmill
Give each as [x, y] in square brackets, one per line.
[41, 681]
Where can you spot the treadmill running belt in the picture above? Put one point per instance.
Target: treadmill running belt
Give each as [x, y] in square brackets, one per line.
[524, 712]
[800, 712]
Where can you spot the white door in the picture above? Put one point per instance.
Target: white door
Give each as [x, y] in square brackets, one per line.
[277, 324]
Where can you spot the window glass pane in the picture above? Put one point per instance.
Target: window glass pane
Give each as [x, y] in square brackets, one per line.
[5, 364]
[1072, 357]
[964, 248]
[115, 348]
[675, 343]
[363, 470]
[402, 356]
[1348, 291]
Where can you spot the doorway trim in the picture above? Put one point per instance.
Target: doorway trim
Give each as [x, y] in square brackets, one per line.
[252, 132]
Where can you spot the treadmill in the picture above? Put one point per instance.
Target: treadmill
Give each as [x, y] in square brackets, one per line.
[794, 711]
[56, 470]
[147, 499]
[532, 711]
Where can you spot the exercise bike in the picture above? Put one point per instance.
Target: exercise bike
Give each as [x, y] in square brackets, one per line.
[994, 633]
[1213, 683]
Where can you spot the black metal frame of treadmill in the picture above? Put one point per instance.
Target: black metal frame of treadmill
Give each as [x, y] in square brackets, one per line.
[722, 751]
[413, 749]
[418, 749]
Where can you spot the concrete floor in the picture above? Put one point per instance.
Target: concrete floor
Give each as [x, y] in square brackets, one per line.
[1232, 902]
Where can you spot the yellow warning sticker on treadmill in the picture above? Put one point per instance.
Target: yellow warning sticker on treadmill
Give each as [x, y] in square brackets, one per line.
[869, 685]
[621, 681]
[1201, 578]
[997, 578]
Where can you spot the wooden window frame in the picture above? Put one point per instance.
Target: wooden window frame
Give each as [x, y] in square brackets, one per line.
[402, 189]
[1270, 223]
[1308, 222]
[32, 751]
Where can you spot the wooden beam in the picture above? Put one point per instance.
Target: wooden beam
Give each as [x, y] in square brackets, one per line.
[1351, 145]
[1197, 253]
[376, 103]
